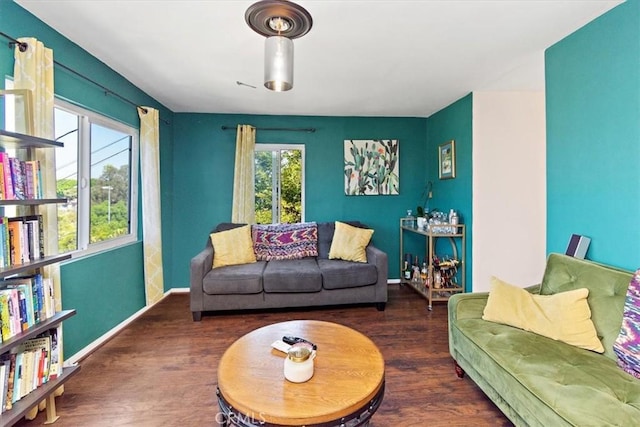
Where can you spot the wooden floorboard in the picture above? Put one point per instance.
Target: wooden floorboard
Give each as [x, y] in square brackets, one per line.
[161, 369]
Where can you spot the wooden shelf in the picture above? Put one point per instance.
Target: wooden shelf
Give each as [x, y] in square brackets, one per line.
[434, 297]
[32, 265]
[32, 202]
[36, 329]
[458, 233]
[24, 405]
[19, 140]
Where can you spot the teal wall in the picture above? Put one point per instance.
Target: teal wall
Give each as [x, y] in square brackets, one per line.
[114, 296]
[105, 288]
[593, 137]
[203, 175]
[454, 122]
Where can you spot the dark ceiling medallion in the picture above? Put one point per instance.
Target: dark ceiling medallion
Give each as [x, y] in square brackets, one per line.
[295, 21]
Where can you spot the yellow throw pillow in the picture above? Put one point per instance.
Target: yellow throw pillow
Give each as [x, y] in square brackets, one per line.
[232, 247]
[564, 316]
[350, 243]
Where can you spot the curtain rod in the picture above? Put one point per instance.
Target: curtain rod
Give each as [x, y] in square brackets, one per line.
[23, 47]
[12, 42]
[310, 130]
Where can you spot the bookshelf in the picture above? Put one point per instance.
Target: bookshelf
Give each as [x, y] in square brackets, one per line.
[46, 391]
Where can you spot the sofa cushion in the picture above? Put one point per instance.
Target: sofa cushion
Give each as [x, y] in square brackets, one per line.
[556, 383]
[350, 243]
[339, 274]
[285, 241]
[233, 247]
[234, 279]
[325, 236]
[627, 345]
[293, 275]
[564, 316]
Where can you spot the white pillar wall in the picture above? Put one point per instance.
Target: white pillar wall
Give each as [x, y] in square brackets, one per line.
[509, 188]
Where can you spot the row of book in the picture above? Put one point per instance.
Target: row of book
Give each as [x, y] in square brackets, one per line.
[21, 240]
[24, 302]
[19, 179]
[27, 367]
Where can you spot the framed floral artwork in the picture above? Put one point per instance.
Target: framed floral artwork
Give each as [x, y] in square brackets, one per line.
[371, 167]
[447, 160]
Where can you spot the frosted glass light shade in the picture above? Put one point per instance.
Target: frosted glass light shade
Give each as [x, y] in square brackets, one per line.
[278, 63]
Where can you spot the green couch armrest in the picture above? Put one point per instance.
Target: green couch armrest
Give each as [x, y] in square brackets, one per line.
[467, 306]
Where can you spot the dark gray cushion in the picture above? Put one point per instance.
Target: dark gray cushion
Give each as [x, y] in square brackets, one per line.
[338, 274]
[234, 279]
[292, 275]
[325, 236]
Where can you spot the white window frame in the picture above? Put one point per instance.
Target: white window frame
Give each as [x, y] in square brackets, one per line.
[88, 117]
[276, 197]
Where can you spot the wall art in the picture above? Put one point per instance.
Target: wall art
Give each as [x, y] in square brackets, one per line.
[447, 160]
[371, 167]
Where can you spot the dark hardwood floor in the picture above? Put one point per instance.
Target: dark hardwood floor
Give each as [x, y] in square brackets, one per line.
[161, 370]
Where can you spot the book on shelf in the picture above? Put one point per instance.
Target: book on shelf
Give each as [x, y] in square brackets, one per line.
[22, 239]
[17, 178]
[26, 367]
[6, 171]
[24, 302]
[8, 397]
[7, 371]
[21, 179]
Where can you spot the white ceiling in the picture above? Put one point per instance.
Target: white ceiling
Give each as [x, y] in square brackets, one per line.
[361, 58]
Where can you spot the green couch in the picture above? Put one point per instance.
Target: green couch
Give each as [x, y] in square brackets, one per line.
[537, 381]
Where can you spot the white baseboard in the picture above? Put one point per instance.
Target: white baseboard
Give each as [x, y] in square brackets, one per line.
[116, 329]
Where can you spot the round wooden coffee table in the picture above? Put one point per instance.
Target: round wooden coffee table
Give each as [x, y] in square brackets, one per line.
[346, 389]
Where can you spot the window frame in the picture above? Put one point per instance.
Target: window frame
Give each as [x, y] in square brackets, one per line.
[276, 194]
[86, 118]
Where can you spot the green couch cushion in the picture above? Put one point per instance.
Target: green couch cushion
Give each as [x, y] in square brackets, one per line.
[607, 291]
[557, 377]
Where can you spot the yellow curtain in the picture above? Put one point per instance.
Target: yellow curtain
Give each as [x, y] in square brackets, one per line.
[33, 70]
[151, 218]
[243, 210]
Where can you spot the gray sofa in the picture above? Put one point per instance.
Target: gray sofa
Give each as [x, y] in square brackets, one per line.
[306, 282]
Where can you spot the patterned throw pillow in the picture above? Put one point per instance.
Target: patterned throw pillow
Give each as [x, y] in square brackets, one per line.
[285, 241]
[627, 345]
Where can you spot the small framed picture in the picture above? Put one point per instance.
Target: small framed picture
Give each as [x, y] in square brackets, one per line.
[447, 160]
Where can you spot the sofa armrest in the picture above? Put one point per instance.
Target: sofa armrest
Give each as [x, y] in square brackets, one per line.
[467, 306]
[201, 264]
[380, 260]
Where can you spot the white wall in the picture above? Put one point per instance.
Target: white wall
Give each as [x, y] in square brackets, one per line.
[509, 190]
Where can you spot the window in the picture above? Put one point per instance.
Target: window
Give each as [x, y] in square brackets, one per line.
[96, 171]
[279, 183]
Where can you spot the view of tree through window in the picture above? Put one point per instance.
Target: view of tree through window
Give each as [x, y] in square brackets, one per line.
[278, 184]
[98, 208]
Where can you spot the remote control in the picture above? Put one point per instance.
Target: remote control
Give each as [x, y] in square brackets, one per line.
[281, 346]
[295, 340]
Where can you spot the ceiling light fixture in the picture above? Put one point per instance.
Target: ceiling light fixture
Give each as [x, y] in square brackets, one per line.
[280, 22]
